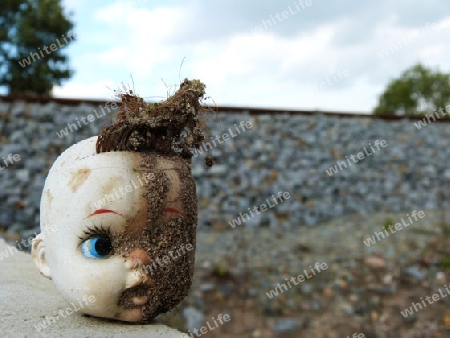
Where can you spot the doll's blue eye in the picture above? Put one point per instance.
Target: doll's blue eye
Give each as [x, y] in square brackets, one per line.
[98, 246]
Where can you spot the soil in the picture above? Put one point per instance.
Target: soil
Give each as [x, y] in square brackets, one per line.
[235, 269]
[174, 125]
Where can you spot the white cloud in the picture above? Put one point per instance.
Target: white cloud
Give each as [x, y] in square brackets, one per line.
[94, 90]
[273, 68]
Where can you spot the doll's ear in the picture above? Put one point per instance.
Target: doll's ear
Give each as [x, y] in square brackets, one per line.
[38, 255]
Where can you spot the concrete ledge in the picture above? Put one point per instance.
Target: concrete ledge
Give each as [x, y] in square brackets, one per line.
[26, 298]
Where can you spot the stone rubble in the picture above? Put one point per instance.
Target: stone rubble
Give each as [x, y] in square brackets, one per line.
[282, 152]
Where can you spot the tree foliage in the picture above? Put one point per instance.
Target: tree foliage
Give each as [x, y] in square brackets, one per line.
[419, 90]
[26, 27]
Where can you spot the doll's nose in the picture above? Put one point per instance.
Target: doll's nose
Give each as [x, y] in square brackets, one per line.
[138, 257]
[137, 263]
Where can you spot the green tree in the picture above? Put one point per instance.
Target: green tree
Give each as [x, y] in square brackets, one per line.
[418, 90]
[28, 28]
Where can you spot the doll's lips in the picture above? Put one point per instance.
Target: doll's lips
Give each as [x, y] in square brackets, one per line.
[172, 210]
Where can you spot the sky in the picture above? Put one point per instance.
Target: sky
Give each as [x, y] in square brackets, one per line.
[293, 54]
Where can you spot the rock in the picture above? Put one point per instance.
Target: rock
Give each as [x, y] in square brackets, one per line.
[415, 273]
[387, 279]
[18, 108]
[342, 284]
[206, 287]
[306, 288]
[12, 237]
[256, 163]
[346, 307]
[328, 292]
[440, 278]
[361, 309]
[286, 325]
[410, 319]
[375, 262]
[194, 319]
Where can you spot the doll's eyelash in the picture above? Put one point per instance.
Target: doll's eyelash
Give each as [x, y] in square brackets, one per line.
[94, 229]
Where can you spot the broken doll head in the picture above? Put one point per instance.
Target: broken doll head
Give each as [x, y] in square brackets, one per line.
[119, 225]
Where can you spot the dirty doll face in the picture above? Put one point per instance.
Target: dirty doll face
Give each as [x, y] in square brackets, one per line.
[119, 226]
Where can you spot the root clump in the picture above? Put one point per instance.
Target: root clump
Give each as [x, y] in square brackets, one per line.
[171, 126]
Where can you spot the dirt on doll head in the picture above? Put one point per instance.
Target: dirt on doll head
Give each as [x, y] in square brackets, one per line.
[163, 133]
[174, 125]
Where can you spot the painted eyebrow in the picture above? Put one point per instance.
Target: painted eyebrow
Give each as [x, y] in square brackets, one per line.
[172, 210]
[103, 211]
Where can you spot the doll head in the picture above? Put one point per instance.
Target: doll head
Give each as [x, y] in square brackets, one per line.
[119, 217]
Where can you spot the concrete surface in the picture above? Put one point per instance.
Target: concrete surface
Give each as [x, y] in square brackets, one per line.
[26, 298]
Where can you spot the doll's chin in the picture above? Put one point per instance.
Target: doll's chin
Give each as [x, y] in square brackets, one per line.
[130, 315]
